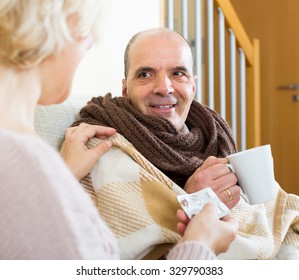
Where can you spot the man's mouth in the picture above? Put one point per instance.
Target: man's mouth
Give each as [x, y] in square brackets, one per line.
[163, 106]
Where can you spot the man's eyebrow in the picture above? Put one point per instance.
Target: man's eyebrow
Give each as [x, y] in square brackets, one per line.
[181, 68]
[144, 69]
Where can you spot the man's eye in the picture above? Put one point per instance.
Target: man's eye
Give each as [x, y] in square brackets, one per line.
[179, 73]
[144, 75]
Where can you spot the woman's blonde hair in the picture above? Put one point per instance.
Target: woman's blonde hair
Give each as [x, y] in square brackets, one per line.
[31, 30]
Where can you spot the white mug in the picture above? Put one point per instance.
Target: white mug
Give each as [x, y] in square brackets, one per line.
[255, 173]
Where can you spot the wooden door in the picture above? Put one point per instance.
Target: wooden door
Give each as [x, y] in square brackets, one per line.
[276, 24]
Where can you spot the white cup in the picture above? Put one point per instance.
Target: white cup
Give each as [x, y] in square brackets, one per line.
[255, 173]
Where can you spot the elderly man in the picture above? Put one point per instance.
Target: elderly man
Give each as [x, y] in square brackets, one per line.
[176, 142]
[185, 140]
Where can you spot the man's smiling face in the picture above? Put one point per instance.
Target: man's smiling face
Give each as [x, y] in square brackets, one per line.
[160, 80]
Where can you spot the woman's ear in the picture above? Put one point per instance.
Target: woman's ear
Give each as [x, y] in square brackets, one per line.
[72, 24]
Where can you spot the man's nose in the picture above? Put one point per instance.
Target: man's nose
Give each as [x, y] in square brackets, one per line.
[163, 85]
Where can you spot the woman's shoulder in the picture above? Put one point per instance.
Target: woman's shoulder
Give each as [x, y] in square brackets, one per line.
[37, 186]
[26, 149]
[28, 160]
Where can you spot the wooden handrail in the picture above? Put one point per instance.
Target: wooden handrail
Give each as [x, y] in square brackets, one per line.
[232, 20]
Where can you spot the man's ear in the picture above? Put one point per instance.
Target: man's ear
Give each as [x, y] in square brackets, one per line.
[194, 84]
[124, 88]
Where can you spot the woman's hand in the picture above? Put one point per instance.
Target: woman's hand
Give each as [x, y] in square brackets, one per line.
[75, 153]
[208, 229]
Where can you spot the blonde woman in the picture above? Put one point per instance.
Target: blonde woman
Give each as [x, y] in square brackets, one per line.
[45, 213]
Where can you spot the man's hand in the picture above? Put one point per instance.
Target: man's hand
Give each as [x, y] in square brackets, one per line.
[215, 174]
[77, 156]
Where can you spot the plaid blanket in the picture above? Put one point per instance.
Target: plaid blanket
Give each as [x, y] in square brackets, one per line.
[138, 202]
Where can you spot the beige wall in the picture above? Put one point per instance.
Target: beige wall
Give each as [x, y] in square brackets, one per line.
[101, 70]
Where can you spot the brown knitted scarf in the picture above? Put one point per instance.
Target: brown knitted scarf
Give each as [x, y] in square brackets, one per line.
[176, 155]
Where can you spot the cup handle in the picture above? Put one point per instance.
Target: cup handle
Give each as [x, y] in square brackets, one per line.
[242, 194]
[230, 167]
